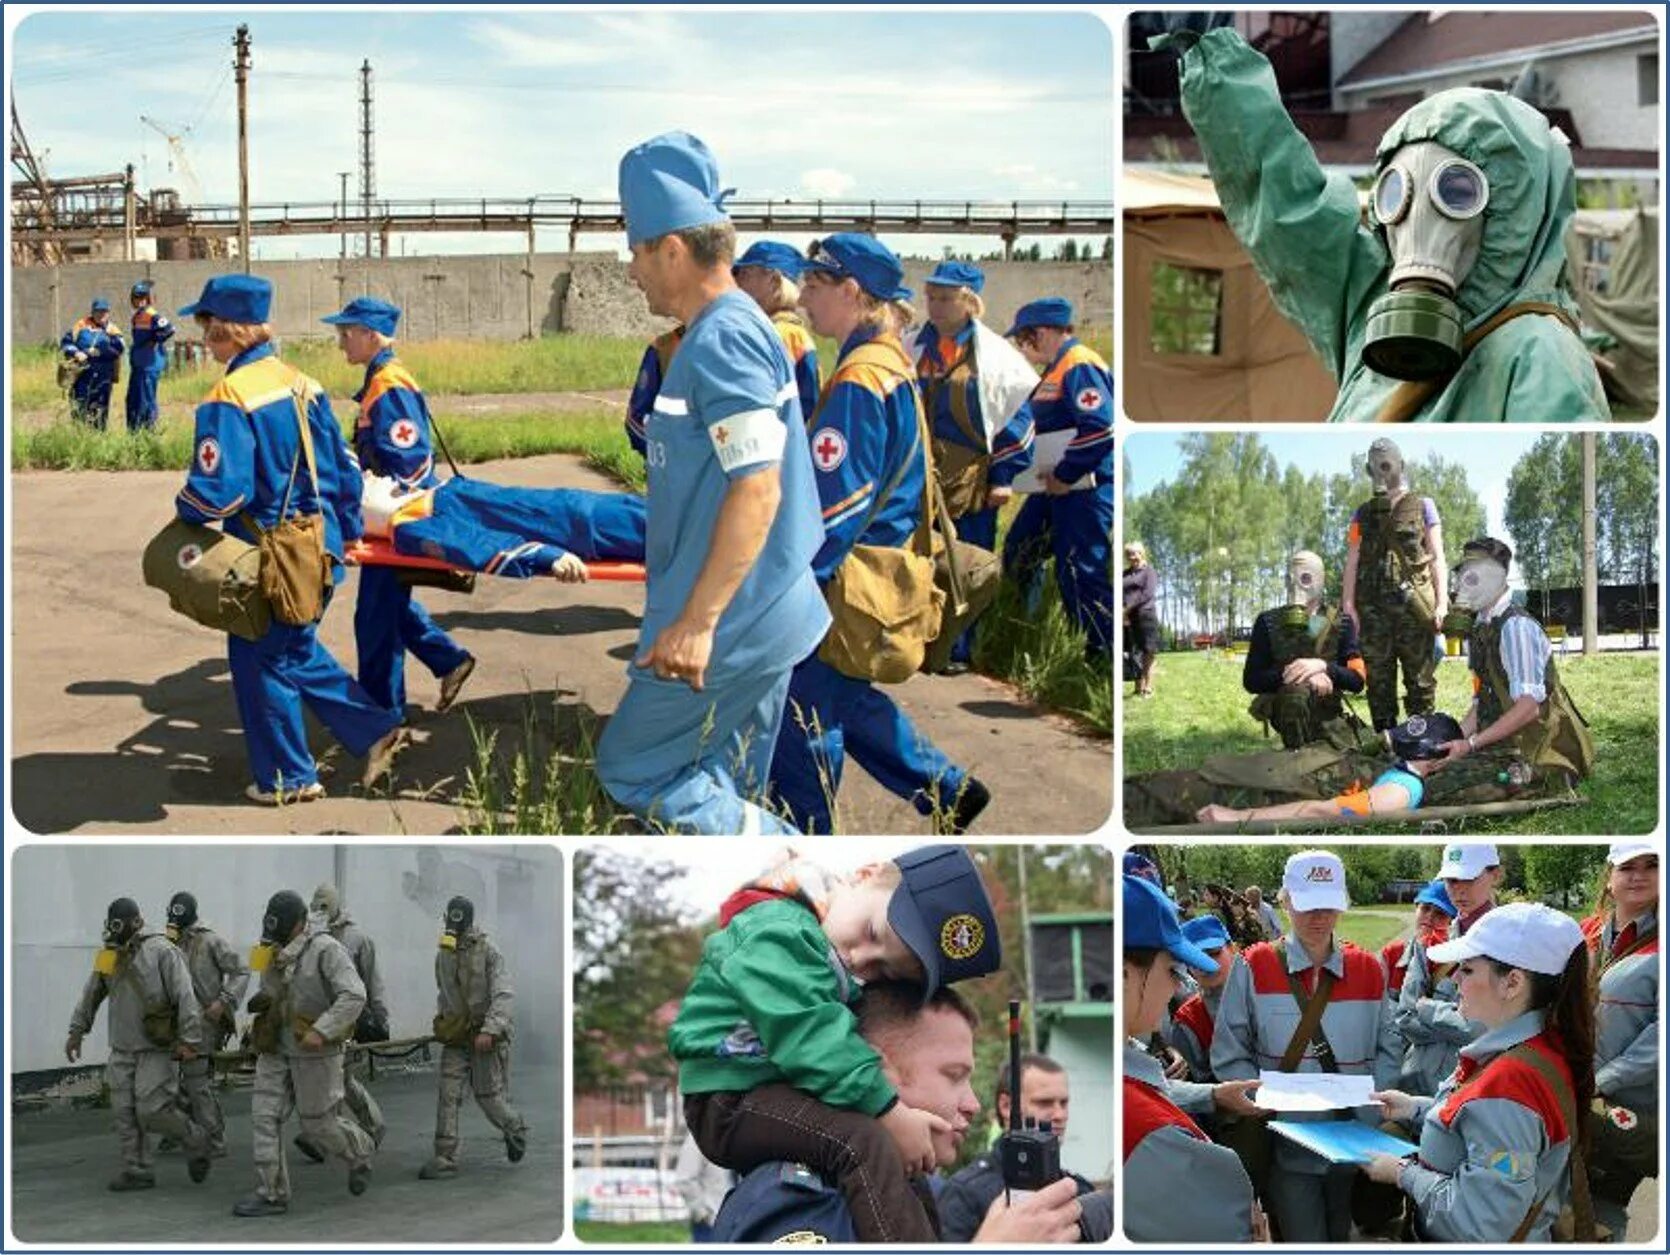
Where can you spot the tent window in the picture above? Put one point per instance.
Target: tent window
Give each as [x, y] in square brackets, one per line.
[1596, 271]
[1187, 308]
[1646, 79]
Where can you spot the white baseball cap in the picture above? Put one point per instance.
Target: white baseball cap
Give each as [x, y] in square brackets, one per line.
[1315, 881]
[1522, 934]
[1620, 852]
[1463, 861]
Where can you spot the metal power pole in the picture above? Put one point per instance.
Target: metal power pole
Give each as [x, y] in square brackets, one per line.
[1026, 953]
[240, 65]
[1591, 582]
[368, 159]
[342, 210]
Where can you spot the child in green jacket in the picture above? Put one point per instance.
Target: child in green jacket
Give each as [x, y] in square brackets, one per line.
[770, 1061]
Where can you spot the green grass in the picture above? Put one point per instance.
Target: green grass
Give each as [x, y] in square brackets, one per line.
[1371, 927]
[659, 1233]
[546, 784]
[1042, 654]
[1201, 709]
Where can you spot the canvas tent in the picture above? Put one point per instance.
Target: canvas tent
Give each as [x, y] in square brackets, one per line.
[1202, 340]
[1614, 265]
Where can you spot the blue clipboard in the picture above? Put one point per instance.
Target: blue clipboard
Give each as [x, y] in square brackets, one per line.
[1343, 1141]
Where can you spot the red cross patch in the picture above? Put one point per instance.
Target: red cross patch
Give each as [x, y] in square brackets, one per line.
[188, 556]
[208, 455]
[829, 448]
[1089, 399]
[404, 434]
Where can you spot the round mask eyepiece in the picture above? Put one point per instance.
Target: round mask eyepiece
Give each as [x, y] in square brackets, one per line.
[1459, 189]
[1392, 194]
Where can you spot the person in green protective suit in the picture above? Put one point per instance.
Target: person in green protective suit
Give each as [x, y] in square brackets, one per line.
[1523, 737]
[1451, 303]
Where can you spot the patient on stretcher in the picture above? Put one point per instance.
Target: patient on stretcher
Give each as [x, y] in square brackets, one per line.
[515, 532]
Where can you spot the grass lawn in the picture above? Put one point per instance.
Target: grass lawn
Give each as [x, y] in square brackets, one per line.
[1201, 709]
[1373, 926]
[658, 1233]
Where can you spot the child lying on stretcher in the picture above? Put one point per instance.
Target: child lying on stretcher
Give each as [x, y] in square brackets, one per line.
[514, 532]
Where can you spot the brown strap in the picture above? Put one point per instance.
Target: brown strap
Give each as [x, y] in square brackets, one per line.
[1582, 1206]
[1408, 398]
[1604, 958]
[1436, 974]
[1310, 1019]
[959, 414]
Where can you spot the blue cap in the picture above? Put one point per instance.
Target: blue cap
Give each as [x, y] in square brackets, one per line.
[142, 288]
[100, 305]
[669, 183]
[1051, 311]
[1207, 932]
[941, 911]
[957, 274]
[863, 259]
[367, 311]
[773, 255]
[1141, 865]
[233, 298]
[1434, 894]
[1151, 924]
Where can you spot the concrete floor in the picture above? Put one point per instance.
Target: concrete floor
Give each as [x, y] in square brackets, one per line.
[62, 1158]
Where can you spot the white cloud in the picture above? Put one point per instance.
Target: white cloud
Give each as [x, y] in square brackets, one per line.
[827, 182]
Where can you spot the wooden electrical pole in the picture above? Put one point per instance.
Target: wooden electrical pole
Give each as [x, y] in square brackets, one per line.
[240, 65]
[1591, 582]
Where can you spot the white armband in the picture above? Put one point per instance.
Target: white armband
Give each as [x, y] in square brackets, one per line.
[748, 438]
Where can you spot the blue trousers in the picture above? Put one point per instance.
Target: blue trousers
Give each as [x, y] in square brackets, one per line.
[978, 527]
[691, 761]
[90, 395]
[1077, 529]
[272, 679]
[830, 716]
[388, 621]
[142, 398]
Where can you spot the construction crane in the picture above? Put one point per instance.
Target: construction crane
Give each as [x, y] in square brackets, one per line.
[31, 198]
[178, 161]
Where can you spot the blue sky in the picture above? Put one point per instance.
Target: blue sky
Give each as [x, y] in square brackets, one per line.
[1488, 453]
[480, 102]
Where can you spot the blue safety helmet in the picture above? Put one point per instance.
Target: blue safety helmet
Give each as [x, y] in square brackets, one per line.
[100, 305]
[142, 288]
[233, 298]
[942, 912]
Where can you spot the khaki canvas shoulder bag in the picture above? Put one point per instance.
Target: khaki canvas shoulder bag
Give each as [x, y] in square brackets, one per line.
[295, 567]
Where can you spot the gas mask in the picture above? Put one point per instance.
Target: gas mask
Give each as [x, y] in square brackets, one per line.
[327, 903]
[1478, 585]
[1304, 578]
[182, 914]
[460, 915]
[1384, 467]
[1430, 203]
[122, 923]
[285, 909]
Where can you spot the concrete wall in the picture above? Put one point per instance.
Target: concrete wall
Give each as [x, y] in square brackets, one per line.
[474, 297]
[395, 892]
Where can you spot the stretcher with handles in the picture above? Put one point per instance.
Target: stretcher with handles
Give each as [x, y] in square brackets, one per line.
[375, 551]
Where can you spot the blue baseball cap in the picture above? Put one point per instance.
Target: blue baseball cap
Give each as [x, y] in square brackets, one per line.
[1207, 932]
[772, 255]
[861, 258]
[1151, 924]
[142, 288]
[942, 912]
[100, 305]
[1051, 311]
[670, 183]
[1434, 894]
[1141, 865]
[233, 298]
[957, 274]
[367, 311]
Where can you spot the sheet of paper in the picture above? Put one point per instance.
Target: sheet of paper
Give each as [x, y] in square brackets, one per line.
[1343, 1141]
[1311, 1091]
[1048, 449]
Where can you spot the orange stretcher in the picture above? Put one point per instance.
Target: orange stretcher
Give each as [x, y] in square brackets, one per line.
[375, 551]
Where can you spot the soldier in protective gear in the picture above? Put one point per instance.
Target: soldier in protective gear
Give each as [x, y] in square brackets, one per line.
[154, 1023]
[474, 1022]
[218, 980]
[373, 1022]
[1394, 588]
[1303, 656]
[309, 1000]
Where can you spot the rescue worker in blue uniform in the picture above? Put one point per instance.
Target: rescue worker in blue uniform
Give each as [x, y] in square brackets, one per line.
[730, 603]
[147, 357]
[1073, 517]
[975, 386]
[391, 438]
[871, 467]
[248, 438]
[96, 347]
[647, 386]
[769, 272]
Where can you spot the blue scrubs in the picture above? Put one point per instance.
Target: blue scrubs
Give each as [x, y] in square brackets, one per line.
[864, 432]
[727, 409]
[519, 533]
[1075, 394]
[90, 393]
[245, 444]
[392, 438]
[147, 359]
